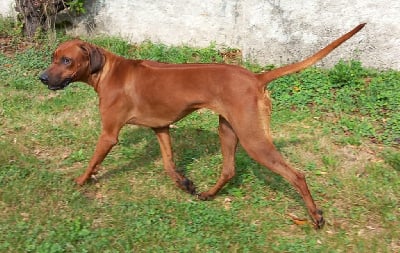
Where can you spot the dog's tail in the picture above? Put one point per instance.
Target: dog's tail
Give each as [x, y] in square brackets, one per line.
[295, 67]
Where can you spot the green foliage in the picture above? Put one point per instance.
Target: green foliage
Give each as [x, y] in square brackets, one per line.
[159, 52]
[347, 74]
[364, 102]
[8, 27]
[77, 6]
[114, 44]
[176, 54]
[393, 159]
[301, 91]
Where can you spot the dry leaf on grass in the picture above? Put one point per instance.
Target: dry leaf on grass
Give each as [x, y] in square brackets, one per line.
[296, 220]
[227, 203]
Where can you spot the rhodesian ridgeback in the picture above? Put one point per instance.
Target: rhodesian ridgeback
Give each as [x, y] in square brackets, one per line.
[155, 95]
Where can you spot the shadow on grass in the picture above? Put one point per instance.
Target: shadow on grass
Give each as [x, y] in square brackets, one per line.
[191, 144]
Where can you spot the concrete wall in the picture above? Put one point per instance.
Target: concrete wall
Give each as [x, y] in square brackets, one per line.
[6, 7]
[267, 31]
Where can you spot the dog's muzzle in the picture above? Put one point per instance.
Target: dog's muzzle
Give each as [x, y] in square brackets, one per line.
[44, 78]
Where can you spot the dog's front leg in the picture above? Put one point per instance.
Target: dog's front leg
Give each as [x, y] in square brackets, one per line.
[181, 181]
[106, 141]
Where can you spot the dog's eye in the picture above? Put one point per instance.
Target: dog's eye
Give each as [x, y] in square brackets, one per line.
[66, 61]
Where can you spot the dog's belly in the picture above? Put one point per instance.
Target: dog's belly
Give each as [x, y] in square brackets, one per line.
[150, 122]
[158, 119]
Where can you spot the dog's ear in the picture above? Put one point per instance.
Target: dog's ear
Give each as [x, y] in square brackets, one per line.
[96, 58]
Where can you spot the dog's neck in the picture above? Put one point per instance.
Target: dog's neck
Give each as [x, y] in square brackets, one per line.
[94, 80]
[110, 61]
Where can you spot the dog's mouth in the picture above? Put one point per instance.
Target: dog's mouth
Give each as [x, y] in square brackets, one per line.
[60, 86]
[55, 83]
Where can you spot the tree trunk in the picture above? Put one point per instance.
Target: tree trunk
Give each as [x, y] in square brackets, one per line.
[31, 14]
[38, 14]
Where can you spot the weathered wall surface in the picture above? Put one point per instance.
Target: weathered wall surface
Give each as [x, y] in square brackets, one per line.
[6, 7]
[267, 31]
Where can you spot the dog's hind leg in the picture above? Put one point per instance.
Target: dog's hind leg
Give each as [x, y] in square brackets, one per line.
[164, 140]
[229, 142]
[252, 129]
[267, 155]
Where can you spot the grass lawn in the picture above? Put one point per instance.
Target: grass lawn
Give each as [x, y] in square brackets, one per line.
[340, 126]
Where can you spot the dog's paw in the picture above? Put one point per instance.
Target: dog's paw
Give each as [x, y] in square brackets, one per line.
[81, 180]
[188, 186]
[320, 221]
[204, 196]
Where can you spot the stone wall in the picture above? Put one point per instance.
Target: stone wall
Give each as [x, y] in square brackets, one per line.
[267, 31]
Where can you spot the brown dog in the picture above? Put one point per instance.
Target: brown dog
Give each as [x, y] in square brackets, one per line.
[156, 95]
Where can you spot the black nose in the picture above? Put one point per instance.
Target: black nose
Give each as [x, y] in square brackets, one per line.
[44, 78]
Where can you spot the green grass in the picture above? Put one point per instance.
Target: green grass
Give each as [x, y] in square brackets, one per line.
[340, 126]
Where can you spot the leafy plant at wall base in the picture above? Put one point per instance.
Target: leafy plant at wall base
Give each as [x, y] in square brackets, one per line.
[77, 6]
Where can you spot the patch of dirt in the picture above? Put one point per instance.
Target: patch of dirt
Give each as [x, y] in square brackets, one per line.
[357, 157]
[10, 45]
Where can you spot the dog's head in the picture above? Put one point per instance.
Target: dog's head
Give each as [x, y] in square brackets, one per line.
[72, 61]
